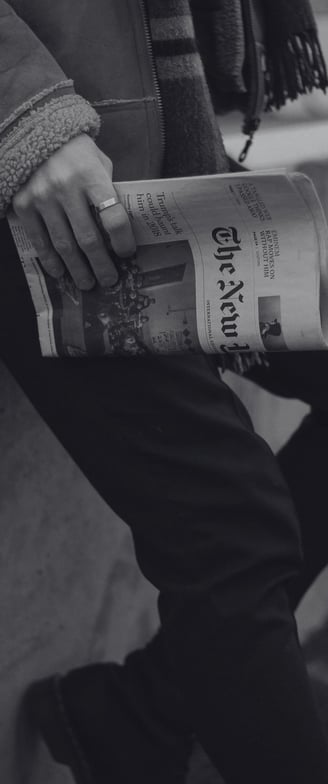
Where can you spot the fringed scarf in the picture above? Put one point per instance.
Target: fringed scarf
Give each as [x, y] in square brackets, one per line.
[207, 62]
[294, 60]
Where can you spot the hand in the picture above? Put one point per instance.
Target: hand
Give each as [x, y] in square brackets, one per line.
[54, 207]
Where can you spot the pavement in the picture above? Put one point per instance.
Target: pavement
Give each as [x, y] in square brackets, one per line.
[70, 590]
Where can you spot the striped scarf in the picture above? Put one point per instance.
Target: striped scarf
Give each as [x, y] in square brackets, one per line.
[193, 140]
[202, 53]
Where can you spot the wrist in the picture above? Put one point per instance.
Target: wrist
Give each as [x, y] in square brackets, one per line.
[43, 131]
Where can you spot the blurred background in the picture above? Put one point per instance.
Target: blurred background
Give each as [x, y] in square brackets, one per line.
[70, 591]
[296, 133]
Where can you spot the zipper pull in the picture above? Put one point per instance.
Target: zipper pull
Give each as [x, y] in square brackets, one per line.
[244, 152]
[249, 129]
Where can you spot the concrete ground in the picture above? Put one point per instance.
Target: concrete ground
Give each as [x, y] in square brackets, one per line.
[70, 592]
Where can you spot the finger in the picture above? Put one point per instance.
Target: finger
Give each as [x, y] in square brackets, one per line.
[90, 240]
[116, 223]
[114, 220]
[66, 247]
[37, 232]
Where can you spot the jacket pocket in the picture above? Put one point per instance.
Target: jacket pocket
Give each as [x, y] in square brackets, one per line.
[131, 136]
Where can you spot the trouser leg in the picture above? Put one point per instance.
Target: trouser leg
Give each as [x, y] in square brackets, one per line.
[132, 717]
[303, 459]
[173, 451]
[303, 462]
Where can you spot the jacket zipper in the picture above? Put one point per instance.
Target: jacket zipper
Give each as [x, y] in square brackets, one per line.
[154, 72]
[255, 66]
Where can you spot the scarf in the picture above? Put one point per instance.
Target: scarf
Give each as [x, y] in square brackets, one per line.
[294, 59]
[207, 62]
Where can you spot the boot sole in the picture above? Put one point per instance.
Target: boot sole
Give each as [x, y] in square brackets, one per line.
[45, 709]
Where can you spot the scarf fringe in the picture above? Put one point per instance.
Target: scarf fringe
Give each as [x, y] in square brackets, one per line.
[294, 69]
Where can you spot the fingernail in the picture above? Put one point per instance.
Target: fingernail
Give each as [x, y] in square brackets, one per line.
[55, 272]
[86, 283]
[110, 281]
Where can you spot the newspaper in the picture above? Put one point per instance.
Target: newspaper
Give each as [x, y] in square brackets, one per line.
[225, 263]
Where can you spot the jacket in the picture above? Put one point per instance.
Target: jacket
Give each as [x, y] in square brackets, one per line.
[68, 68]
[62, 67]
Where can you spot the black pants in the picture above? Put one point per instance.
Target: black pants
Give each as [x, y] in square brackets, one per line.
[172, 450]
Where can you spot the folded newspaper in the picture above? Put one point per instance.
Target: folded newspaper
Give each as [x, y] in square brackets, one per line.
[225, 263]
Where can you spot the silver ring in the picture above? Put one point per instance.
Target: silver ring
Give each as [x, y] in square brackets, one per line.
[107, 203]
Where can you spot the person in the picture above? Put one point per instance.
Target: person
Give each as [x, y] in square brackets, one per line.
[214, 516]
[270, 328]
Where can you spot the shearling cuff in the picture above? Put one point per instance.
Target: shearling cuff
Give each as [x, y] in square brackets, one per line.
[37, 136]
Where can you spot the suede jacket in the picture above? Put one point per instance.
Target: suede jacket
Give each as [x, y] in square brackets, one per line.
[74, 66]
[63, 66]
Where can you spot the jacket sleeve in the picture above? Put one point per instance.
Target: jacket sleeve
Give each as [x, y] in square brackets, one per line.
[39, 109]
